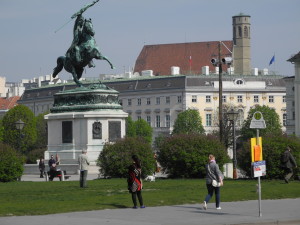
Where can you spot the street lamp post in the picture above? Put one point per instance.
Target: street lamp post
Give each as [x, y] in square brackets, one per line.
[232, 116]
[19, 125]
[218, 63]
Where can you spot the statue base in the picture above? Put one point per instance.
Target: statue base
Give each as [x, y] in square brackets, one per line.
[84, 119]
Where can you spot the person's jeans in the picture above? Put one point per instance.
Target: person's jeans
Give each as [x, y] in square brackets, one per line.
[211, 189]
[139, 195]
[288, 174]
[83, 176]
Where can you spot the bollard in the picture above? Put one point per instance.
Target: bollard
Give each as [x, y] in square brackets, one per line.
[62, 175]
[46, 176]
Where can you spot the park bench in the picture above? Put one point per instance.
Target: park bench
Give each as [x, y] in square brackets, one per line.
[61, 174]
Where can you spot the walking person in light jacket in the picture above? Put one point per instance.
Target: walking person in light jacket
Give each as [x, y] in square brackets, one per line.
[213, 173]
[84, 162]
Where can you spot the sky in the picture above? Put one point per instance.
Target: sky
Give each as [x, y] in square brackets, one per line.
[29, 45]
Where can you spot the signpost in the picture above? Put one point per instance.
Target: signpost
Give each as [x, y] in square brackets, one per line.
[259, 166]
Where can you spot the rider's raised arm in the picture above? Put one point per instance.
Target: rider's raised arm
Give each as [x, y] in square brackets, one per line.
[82, 10]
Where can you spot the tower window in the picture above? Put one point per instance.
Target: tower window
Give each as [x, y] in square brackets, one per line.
[245, 31]
[240, 31]
[234, 32]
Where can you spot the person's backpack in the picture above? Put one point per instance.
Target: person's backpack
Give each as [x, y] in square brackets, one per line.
[284, 157]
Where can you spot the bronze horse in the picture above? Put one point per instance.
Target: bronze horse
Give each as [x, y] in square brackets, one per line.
[82, 51]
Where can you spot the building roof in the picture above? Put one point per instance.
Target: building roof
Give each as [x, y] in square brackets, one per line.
[8, 103]
[160, 58]
[148, 84]
[157, 84]
[295, 58]
[241, 15]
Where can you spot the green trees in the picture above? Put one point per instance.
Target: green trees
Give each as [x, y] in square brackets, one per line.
[273, 147]
[186, 155]
[274, 142]
[1, 131]
[31, 141]
[130, 127]
[41, 128]
[188, 122]
[139, 128]
[22, 140]
[11, 164]
[271, 118]
[40, 146]
[115, 159]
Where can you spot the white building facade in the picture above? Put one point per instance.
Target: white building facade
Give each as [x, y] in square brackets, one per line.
[158, 100]
[296, 113]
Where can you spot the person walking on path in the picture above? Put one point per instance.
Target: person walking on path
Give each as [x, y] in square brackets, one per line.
[42, 167]
[213, 173]
[84, 162]
[134, 182]
[288, 162]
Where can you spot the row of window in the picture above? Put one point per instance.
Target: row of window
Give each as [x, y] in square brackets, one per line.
[208, 120]
[238, 122]
[239, 98]
[208, 99]
[40, 108]
[158, 100]
[158, 120]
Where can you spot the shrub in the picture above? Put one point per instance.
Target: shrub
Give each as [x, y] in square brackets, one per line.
[115, 158]
[35, 154]
[11, 164]
[186, 155]
[273, 146]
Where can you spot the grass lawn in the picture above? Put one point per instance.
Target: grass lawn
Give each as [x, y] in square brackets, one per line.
[37, 198]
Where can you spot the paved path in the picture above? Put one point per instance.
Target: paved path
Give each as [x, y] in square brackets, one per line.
[36, 178]
[284, 211]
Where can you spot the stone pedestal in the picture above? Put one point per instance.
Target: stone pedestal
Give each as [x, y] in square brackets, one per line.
[84, 118]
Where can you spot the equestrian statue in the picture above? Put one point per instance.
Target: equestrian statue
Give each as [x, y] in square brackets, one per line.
[82, 50]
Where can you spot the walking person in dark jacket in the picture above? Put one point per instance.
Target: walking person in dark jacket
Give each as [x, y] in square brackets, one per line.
[134, 180]
[213, 173]
[288, 162]
[42, 167]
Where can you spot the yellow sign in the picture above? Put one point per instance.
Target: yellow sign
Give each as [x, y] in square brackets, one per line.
[256, 150]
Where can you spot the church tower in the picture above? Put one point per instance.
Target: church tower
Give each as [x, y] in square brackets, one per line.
[241, 44]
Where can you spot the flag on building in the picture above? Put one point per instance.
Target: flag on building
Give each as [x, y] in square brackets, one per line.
[272, 60]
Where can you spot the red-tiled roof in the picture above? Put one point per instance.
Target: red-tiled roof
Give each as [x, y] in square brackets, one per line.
[8, 103]
[160, 58]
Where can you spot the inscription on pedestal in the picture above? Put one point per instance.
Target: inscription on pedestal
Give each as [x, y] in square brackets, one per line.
[97, 130]
[114, 130]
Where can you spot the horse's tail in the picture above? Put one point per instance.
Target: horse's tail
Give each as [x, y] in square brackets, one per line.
[59, 67]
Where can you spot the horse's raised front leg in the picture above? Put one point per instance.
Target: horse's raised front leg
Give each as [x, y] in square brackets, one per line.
[111, 65]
